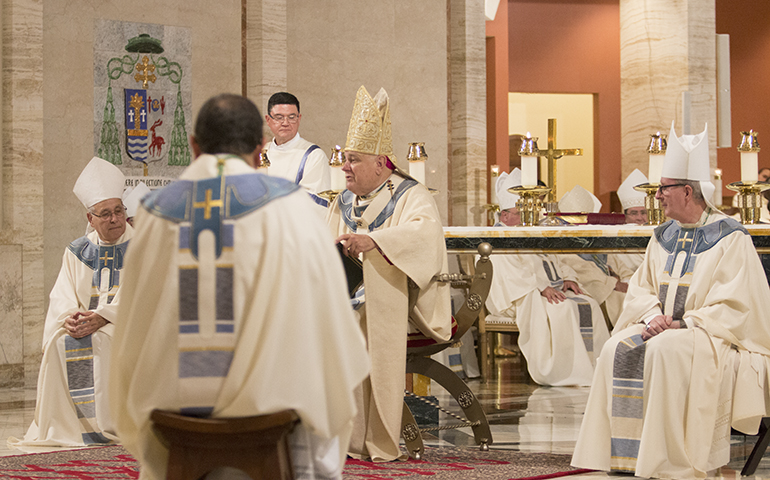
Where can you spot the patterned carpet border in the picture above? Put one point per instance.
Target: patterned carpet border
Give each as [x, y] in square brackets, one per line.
[446, 463]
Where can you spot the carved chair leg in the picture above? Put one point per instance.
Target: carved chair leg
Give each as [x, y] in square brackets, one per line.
[459, 390]
[410, 432]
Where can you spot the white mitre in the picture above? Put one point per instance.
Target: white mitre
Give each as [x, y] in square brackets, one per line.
[99, 181]
[132, 196]
[687, 158]
[505, 181]
[579, 200]
[629, 197]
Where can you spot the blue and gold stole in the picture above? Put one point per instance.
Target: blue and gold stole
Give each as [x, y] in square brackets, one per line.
[683, 245]
[206, 212]
[106, 261]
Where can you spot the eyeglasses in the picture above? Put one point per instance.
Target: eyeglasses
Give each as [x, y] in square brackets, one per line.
[662, 188]
[119, 212]
[293, 118]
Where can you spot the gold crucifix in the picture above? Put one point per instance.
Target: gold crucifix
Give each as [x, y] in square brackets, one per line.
[553, 154]
[208, 204]
[143, 76]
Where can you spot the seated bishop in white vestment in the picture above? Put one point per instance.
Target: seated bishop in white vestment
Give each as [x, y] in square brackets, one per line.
[559, 330]
[236, 305]
[689, 355]
[72, 407]
[632, 202]
[390, 221]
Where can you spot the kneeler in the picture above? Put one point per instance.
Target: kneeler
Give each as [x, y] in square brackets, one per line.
[420, 348]
[257, 445]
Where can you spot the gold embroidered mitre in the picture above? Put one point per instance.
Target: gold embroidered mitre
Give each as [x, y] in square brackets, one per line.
[370, 130]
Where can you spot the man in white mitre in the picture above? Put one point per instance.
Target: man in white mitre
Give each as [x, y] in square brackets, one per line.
[72, 407]
[632, 202]
[560, 328]
[390, 221]
[667, 412]
[131, 198]
[291, 156]
[211, 325]
[597, 277]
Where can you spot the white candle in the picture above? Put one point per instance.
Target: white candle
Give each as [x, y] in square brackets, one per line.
[417, 171]
[749, 167]
[337, 179]
[656, 168]
[718, 187]
[529, 171]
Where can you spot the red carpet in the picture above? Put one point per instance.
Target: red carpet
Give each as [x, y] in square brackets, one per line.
[113, 462]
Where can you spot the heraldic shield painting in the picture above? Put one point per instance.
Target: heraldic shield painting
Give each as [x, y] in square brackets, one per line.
[142, 99]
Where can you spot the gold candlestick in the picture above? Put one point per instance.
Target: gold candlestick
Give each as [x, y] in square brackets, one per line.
[529, 203]
[262, 160]
[655, 214]
[749, 200]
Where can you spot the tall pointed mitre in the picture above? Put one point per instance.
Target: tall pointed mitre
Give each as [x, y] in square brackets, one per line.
[687, 158]
[579, 200]
[99, 181]
[132, 196]
[629, 197]
[505, 181]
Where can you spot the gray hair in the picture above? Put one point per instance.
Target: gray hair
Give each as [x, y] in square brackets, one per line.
[697, 193]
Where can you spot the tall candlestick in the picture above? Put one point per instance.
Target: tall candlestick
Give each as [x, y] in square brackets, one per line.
[657, 151]
[718, 187]
[494, 175]
[417, 158]
[336, 161]
[749, 149]
[529, 154]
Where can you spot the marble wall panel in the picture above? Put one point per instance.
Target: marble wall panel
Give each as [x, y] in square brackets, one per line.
[11, 316]
[667, 47]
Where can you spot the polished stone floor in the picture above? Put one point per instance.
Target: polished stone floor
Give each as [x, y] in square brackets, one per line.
[523, 416]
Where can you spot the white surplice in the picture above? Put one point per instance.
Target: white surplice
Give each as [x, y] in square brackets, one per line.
[72, 408]
[664, 407]
[404, 222]
[273, 303]
[286, 162]
[557, 339]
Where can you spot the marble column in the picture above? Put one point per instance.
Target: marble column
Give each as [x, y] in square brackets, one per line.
[21, 232]
[265, 52]
[467, 84]
[666, 48]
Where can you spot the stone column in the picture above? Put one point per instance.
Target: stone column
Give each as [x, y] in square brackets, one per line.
[467, 131]
[666, 47]
[265, 50]
[21, 233]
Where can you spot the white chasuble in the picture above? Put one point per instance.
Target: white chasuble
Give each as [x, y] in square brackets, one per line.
[559, 340]
[236, 305]
[404, 222]
[72, 408]
[664, 407]
[598, 279]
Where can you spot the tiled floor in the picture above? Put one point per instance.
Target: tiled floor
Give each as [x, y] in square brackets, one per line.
[524, 416]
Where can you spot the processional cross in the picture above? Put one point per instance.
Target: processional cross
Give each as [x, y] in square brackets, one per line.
[553, 154]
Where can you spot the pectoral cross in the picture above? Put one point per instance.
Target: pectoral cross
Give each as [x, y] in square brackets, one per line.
[143, 76]
[684, 240]
[553, 154]
[208, 204]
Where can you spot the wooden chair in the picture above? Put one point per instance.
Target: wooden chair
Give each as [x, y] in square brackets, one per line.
[420, 348]
[760, 447]
[257, 445]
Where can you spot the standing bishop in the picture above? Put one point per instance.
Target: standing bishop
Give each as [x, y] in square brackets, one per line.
[690, 354]
[72, 408]
[560, 328]
[391, 221]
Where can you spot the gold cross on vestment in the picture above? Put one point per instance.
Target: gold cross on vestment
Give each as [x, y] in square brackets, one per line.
[684, 240]
[106, 257]
[143, 68]
[208, 204]
[553, 154]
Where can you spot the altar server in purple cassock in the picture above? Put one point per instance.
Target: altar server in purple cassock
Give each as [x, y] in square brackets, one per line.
[690, 352]
[72, 407]
[236, 304]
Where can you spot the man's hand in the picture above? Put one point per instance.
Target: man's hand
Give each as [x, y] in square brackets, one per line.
[621, 287]
[574, 287]
[553, 295]
[355, 244]
[658, 325]
[82, 324]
